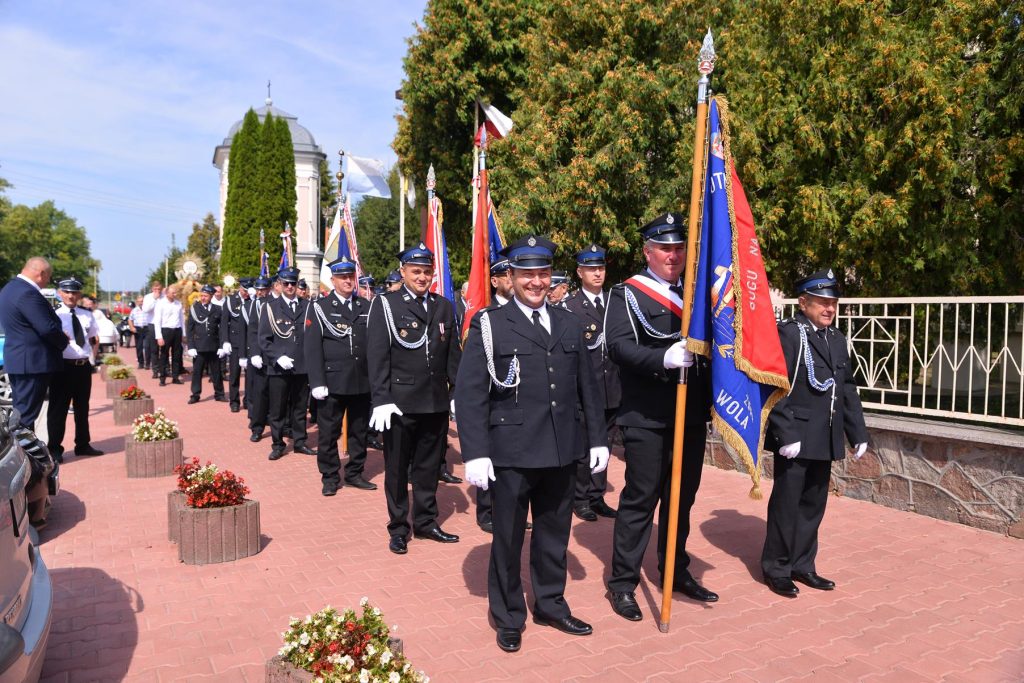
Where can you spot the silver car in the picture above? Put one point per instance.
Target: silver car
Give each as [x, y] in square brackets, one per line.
[26, 595]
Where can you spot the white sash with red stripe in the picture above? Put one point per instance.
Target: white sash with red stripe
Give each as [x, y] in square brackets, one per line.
[658, 291]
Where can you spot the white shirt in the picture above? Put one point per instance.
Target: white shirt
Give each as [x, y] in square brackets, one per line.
[426, 296]
[217, 302]
[593, 297]
[545, 318]
[31, 282]
[501, 300]
[678, 283]
[168, 314]
[149, 303]
[89, 328]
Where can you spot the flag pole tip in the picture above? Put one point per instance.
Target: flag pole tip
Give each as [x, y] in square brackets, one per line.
[663, 626]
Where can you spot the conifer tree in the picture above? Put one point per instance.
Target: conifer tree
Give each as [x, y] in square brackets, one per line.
[240, 250]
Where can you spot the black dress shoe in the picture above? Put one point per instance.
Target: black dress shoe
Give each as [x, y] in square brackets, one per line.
[691, 589]
[569, 624]
[782, 585]
[235, 408]
[220, 399]
[58, 456]
[603, 509]
[304, 449]
[163, 382]
[155, 375]
[449, 478]
[88, 450]
[814, 581]
[624, 604]
[255, 437]
[585, 513]
[510, 639]
[360, 483]
[276, 454]
[176, 381]
[487, 527]
[193, 399]
[398, 545]
[436, 534]
[375, 444]
[329, 489]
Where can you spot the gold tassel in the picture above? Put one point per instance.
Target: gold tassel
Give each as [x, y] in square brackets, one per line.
[755, 492]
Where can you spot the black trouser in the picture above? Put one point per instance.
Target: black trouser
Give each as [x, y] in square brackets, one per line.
[414, 440]
[142, 346]
[207, 360]
[548, 492]
[590, 487]
[648, 466]
[289, 395]
[234, 378]
[170, 352]
[72, 383]
[483, 506]
[330, 412]
[28, 391]
[795, 511]
[152, 349]
[257, 393]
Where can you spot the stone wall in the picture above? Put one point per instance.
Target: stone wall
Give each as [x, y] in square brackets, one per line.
[959, 473]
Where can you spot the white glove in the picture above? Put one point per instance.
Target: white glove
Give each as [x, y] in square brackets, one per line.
[677, 356]
[226, 348]
[257, 362]
[861, 448]
[380, 420]
[221, 353]
[192, 353]
[480, 472]
[242, 362]
[790, 451]
[319, 393]
[285, 363]
[451, 408]
[599, 459]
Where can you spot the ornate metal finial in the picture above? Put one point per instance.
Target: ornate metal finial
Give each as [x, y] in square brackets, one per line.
[706, 59]
[431, 179]
[269, 101]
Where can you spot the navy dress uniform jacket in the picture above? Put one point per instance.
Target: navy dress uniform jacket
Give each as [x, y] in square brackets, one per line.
[34, 336]
[233, 325]
[277, 313]
[606, 372]
[252, 333]
[805, 414]
[416, 380]
[338, 363]
[202, 329]
[509, 425]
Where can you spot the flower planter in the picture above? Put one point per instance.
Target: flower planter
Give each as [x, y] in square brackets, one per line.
[152, 458]
[125, 410]
[280, 670]
[211, 535]
[175, 502]
[116, 386]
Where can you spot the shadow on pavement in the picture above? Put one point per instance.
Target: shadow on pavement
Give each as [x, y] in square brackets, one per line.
[739, 535]
[68, 510]
[474, 569]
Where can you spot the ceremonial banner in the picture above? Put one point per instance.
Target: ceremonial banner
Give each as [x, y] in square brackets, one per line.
[366, 177]
[478, 293]
[264, 266]
[347, 245]
[496, 238]
[441, 282]
[331, 247]
[733, 322]
[286, 248]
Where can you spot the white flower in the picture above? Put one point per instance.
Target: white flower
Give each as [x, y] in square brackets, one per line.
[363, 600]
[304, 639]
[393, 677]
[364, 676]
[394, 628]
[385, 657]
[376, 612]
[347, 662]
[371, 650]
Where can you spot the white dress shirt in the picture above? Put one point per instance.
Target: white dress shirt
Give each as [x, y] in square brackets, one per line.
[167, 314]
[545, 318]
[89, 328]
[593, 297]
[501, 300]
[149, 303]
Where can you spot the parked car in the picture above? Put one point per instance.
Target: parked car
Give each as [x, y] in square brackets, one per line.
[6, 397]
[26, 594]
[108, 332]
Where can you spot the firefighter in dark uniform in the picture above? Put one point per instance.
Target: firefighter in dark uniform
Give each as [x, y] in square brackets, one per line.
[281, 333]
[524, 378]
[413, 358]
[233, 329]
[202, 334]
[256, 386]
[642, 332]
[805, 431]
[588, 304]
[335, 348]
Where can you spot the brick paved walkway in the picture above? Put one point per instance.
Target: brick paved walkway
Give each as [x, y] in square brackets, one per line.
[918, 599]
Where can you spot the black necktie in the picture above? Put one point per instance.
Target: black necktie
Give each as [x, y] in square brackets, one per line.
[422, 301]
[678, 289]
[293, 307]
[76, 327]
[823, 335]
[540, 328]
[599, 304]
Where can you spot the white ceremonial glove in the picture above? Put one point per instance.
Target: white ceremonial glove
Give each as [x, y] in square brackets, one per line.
[319, 393]
[380, 420]
[599, 459]
[480, 472]
[861, 449]
[221, 353]
[790, 451]
[677, 356]
[257, 362]
[226, 348]
[242, 362]
[451, 408]
[285, 363]
[192, 353]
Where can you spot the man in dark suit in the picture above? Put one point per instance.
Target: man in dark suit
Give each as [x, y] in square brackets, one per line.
[588, 304]
[335, 348]
[413, 359]
[233, 329]
[256, 387]
[35, 339]
[282, 328]
[525, 375]
[202, 332]
[642, 331]
[805, 431]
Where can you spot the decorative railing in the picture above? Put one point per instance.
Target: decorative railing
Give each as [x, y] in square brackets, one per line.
[960, 358]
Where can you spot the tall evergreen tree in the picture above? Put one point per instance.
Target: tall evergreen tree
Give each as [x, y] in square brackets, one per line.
[285, 164]
[240, 251]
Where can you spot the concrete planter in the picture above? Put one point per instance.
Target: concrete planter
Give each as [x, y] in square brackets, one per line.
[125, 411]
[152, 458]
[116, 386]
[212, 535]
[175, 502]
[280, 670]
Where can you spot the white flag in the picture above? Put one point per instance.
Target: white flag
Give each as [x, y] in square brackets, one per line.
[498, 125]
[366, 177]
[410, 195]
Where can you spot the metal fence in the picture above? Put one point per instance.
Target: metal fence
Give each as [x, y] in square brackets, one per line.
[960, 358]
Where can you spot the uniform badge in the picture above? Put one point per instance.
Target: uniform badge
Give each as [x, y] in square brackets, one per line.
[415, 324]
[334, 302]
[442, 330]
[669, 219]
[593, 248]
[588, 335]
[593, 326]
[830, 275]
[532, 241]
[403, 333]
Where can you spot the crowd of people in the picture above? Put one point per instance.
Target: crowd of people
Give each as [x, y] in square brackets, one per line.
[537, 390]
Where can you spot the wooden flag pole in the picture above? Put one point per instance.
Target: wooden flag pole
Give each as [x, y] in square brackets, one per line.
[705, 65]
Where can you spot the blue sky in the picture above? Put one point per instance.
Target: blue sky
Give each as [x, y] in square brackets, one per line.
[113, 109]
